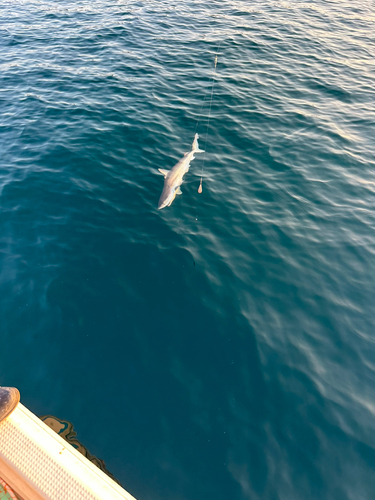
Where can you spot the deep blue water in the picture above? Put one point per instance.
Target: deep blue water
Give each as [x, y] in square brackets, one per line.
[224, 347]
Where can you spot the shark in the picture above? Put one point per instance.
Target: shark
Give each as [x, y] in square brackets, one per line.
[173, 178]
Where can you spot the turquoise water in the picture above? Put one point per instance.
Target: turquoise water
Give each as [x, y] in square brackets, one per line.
[222, 347]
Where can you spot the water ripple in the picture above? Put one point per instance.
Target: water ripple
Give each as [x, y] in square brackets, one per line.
[250, 306]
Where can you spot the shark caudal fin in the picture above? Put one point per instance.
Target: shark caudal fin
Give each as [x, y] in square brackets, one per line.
[195, 146]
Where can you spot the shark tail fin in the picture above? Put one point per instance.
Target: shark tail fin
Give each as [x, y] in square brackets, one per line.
[195, 146]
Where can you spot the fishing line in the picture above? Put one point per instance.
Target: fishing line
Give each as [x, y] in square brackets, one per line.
[204, 98]
[209, 114]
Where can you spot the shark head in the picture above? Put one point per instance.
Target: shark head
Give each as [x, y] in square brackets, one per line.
[167, 197]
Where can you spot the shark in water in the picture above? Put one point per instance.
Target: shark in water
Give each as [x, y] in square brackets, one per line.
[173, 178]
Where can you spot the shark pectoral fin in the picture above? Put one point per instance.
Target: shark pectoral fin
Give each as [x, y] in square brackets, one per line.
[178, 191]
[163, 171]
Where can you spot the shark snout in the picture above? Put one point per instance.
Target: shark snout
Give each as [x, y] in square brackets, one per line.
[166, 198]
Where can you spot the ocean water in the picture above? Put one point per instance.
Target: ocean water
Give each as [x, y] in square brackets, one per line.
[224, 347]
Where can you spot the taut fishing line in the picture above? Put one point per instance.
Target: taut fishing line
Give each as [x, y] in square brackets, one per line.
[209, 114]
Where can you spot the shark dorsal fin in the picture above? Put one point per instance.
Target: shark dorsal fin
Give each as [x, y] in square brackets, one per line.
[163, 171]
